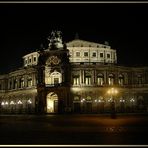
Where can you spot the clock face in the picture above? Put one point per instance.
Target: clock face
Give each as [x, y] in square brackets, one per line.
[54, 60]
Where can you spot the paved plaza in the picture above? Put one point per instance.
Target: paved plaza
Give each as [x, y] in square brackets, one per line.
[73, 130]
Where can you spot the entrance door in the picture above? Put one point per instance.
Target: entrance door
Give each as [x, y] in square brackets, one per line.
[55, 106]
[88, 107]
[52, 103]
[76, 107]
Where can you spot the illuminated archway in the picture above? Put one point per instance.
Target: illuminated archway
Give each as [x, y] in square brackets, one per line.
[52, 103]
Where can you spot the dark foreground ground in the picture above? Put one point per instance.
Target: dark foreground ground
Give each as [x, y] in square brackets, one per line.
[73, 130]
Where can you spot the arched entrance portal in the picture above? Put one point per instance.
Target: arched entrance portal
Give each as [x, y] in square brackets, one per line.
[52, 103]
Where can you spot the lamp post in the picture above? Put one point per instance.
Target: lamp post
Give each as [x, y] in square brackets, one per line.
[113, 92]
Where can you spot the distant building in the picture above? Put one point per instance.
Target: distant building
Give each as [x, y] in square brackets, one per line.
[73, 78]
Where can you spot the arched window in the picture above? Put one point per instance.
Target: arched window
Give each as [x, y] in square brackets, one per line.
[111, 79]
[88, 98]
[100, 79]
[56, 77]
[87, 77]
[87, 80]
[100, 98]
[121, 80]
[76, 98]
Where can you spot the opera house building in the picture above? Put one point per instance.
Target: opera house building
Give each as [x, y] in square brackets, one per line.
[74, 77]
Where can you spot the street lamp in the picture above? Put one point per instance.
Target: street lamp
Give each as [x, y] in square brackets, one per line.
[113, 92]
[132, 104]
[83, 104]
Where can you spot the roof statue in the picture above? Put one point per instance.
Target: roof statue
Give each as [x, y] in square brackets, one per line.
[55, 40]
[106, 43]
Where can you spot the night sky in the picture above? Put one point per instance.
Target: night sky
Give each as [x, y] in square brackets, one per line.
[23, 27]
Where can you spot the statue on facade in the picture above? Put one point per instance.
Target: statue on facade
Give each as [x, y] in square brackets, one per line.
[55, 40]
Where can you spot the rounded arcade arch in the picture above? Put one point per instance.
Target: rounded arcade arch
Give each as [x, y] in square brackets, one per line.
[52, 102]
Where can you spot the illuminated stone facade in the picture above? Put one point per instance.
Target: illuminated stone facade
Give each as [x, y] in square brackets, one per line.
[73, 78]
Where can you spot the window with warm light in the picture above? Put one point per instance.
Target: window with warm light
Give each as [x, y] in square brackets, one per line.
[100, 79]
[87, 80]
[76, 80]
[29, 82]
[111, 79]
[56, 80]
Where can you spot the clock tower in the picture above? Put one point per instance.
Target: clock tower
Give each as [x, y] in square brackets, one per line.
[53, 76]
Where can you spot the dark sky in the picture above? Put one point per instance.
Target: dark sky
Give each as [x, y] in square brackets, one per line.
[23, 27]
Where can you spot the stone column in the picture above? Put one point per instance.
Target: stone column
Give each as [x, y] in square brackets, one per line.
[18, 82]
[12, 83]
[33, 79]
[32, 60]
[105, 75]
[25, 80]
[8, 83]
[81, 81]
[95, 77]
[83, 76]
[28, 62]
[104, 56]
